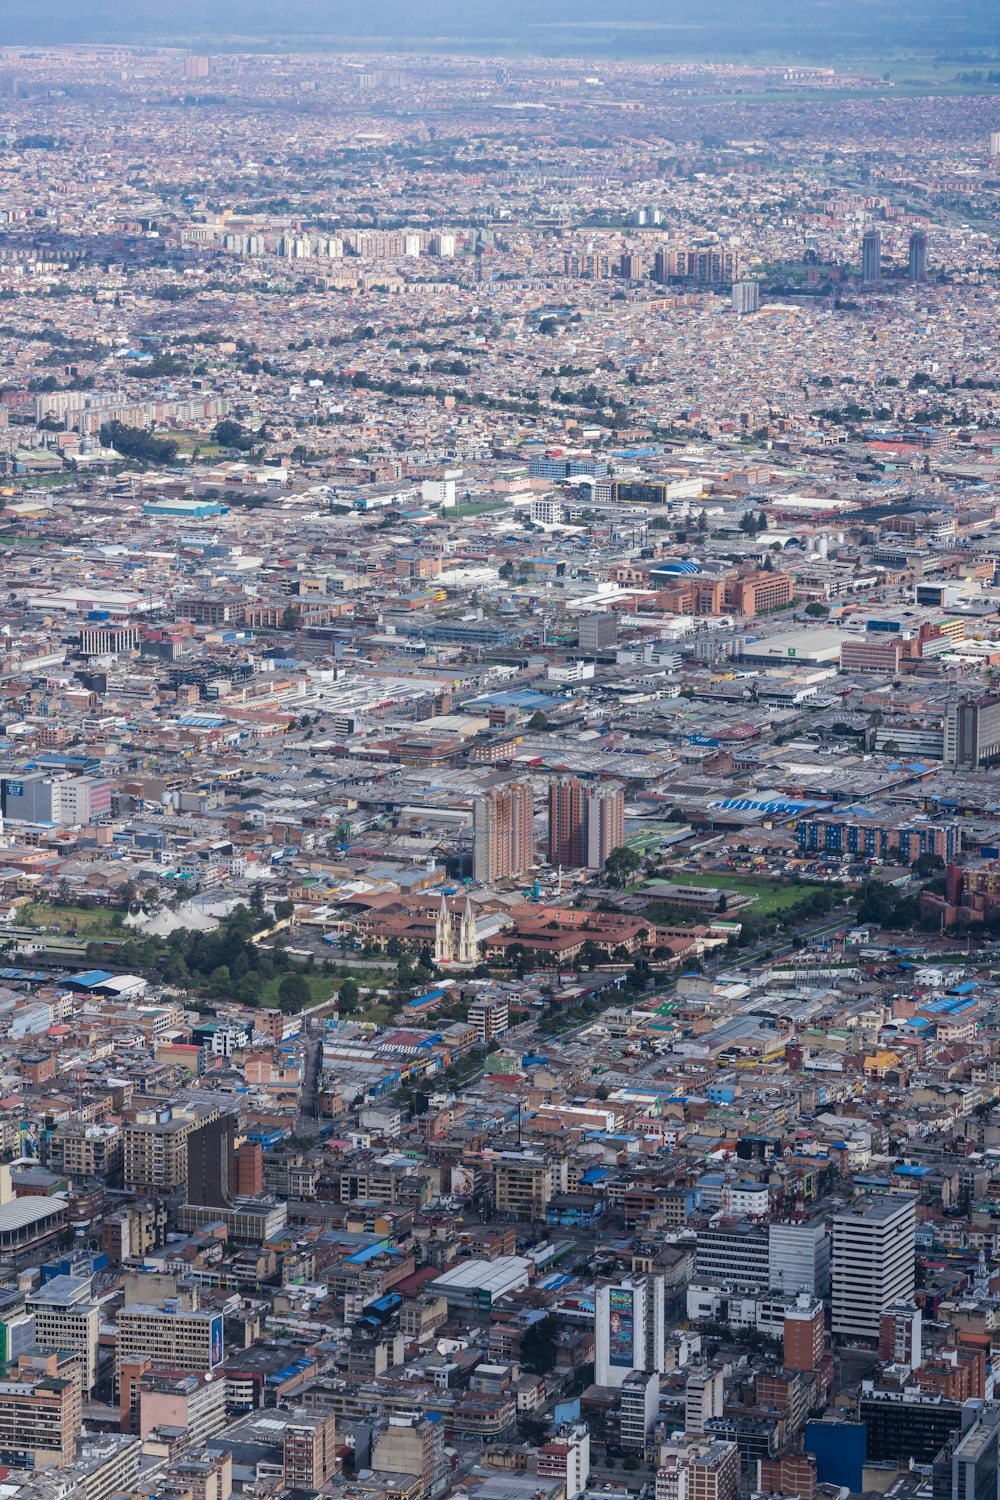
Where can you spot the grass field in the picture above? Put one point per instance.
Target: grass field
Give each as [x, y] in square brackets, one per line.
[770, 897]
[84, 922]
[187, 442]
[474, 508]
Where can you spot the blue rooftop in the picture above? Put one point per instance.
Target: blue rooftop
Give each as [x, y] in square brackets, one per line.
[359, 1257]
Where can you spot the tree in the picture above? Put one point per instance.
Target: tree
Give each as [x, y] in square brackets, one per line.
[283, 910]
[220, 980]
[722, 905]
[620, 865]
[347, 999]
[538, 1346]
[815, 610]
[538, 720]
[293, 993]
[290, 617]
[891, 747]
[231, 434]
[136, 443]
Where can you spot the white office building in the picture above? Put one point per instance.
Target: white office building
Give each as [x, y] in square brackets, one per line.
[873, 1262]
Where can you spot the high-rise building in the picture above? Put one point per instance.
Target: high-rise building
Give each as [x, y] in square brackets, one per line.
[968, 1466]
[714, 1472]
[703, 1399]
[798, 1258]
[629, 1329]
[249, 1169]
[196, 67]
[604, 808]
[918, 256]
[503, 823]
[489, 1014]
[873, 1262]
[156, 1152]
[871, 256]
[734, 1256]
[586, 822]
[803, 1334]
[163, 1321]
[972, 731]
[995, 144]
[629, 267]
[66, 1318]
[746, 297]
[566, 1457]
[309, 1450]
[709, 1470]
[40, 1417]
[412, 1446]
[211, 1163]
[899, 1335]
[566, 832]
[162, 1398]
[525, 1182]
[598, 632]
[640, 1403]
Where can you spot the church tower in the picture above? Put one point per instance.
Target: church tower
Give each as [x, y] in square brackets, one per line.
[468, 947]
[444, 946]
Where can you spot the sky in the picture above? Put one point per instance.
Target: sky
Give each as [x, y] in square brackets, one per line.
[711, 28]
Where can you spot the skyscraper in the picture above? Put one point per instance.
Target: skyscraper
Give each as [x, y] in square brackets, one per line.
[871, 256]
[995, 144]
[873, 1263]
[503, 824]
[918, 256]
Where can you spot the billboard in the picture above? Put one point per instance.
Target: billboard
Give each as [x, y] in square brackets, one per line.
[216, 1340]
[621, 1333]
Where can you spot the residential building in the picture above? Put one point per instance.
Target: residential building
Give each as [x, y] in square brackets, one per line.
[504, 832]
[566, 1458]
[803, 1335]
[309, 1452]
[40, 1418]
